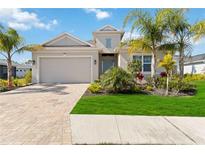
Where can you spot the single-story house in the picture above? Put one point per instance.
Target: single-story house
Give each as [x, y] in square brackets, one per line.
[195, 64]
[22, 69]
[67, 59]
[3, 69]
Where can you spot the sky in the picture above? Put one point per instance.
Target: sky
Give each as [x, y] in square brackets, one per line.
[40, 25]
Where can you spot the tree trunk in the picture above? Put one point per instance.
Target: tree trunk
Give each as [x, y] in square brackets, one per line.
[181, 64]
[167, 88]
[154, 67]
[9, 72]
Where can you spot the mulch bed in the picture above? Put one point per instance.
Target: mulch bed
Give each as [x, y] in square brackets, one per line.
[159, 92]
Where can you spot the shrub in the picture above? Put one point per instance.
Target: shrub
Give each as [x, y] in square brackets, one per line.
[28, 77]
[3, 83]
[175, 84]
[181, 85]
[3, 89]
[117, 80]
[160, 82]
[134, 67]
[136, 89]
[149, 88]
[95, 88]
[17, 82]
[194, 77]
[186, 86]
[26, 80]
[20, 82]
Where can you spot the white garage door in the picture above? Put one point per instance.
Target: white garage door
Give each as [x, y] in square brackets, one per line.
[65, 70]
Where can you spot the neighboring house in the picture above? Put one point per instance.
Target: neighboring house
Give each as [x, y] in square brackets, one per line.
[195, 64]
[22, 69]
[67, 59]
[3, 69]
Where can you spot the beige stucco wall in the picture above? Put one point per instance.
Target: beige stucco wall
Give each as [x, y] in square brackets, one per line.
[124, 58]
[101, 41]
[58, 52]
[65, 41]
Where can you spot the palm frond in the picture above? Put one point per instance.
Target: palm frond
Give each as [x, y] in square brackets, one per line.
[199, 30]
[134, 15]
[32, 48]
[1, 27]
[27, 48]
[139, 45]
[11, 42]
[172, 47]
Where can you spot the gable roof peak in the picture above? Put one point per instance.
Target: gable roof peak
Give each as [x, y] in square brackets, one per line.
[108, 28]
[69, 36]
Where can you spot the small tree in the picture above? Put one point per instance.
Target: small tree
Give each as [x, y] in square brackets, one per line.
[168, 64]
[182, 32]
[11, 43]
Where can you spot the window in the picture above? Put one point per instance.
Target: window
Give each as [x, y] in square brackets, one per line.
[138, 58]
[4, 70]
[146, 62]
[108, 43]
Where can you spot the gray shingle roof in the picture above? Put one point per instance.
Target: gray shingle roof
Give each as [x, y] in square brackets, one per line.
[4, 62]
[196, 59]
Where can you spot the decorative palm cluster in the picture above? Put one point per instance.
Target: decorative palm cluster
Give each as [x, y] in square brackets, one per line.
[168, 30]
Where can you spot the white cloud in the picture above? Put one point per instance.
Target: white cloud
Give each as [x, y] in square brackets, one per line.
[20, 26]
[23, 20]
[100, 14]
[198, 42]
[129, 35]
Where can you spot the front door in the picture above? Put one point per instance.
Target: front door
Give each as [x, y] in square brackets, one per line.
[107, 64]
[107, 61]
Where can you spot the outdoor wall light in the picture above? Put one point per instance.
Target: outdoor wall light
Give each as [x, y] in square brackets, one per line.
[95, 61]
[33, 62]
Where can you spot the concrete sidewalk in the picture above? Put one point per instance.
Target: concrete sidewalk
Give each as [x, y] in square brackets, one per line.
[114, 129]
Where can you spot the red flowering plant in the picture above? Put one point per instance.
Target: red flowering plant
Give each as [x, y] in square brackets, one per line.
[140, 76]
[163, 74]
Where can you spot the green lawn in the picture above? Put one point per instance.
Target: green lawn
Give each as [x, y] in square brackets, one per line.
[125, 104]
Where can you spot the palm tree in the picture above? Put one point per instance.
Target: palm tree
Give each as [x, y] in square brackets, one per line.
[11, 43]
[168, 63]
[182, 33]
[152, 31]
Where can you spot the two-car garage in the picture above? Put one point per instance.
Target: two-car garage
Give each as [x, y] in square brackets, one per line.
[71, 69]
[65, 59]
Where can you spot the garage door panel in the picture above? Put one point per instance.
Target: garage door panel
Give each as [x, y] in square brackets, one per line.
[65, 70]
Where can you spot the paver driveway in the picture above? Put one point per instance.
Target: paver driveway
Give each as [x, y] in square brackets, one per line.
[38, 114]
